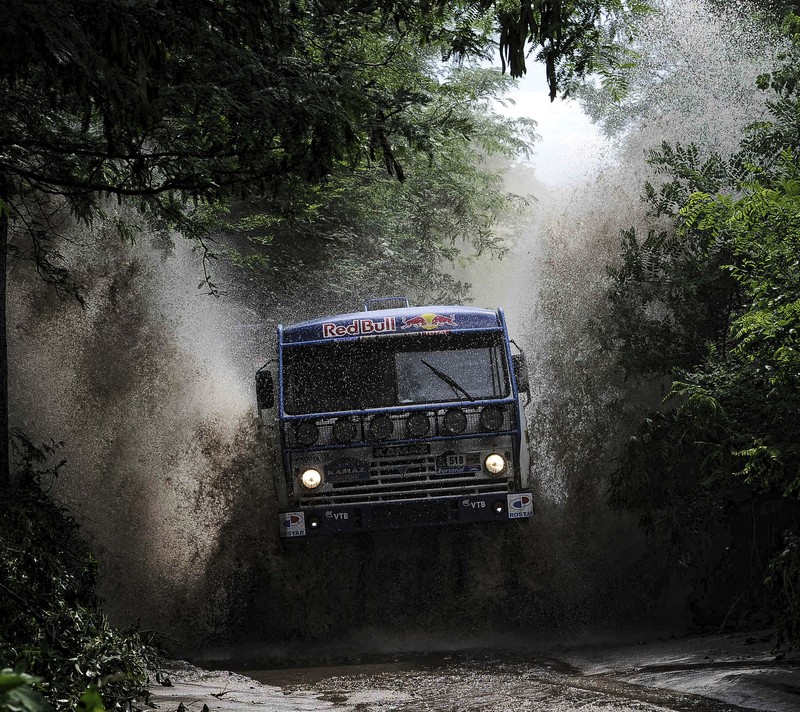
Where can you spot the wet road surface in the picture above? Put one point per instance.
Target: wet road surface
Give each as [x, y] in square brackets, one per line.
[709, 674]
[476, 685]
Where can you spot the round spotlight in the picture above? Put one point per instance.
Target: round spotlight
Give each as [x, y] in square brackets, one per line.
[495, 464]
[344, 430]
[380, 427]
[418, 425]
[455, 421]
[498, 507]
[492, 418]
[311, 478]
[306, 432]
[313, 521]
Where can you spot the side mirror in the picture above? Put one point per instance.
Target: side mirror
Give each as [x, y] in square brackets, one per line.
[520, 366]
[265, 390]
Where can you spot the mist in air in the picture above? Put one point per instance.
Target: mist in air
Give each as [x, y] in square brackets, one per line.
[169, 470]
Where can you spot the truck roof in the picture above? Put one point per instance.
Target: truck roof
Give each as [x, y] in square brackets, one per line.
[392, 321]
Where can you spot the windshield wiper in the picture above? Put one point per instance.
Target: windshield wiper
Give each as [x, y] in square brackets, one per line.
[449, 380]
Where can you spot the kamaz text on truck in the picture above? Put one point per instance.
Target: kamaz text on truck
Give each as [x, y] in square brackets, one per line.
[398, 416]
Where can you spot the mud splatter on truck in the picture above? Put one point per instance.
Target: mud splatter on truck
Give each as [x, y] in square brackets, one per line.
[398, 416]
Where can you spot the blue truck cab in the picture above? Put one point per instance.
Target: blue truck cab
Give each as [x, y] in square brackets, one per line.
[398, 416]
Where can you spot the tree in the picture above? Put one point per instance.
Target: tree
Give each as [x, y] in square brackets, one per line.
[715, 307]
[363, 222]
[676, 57]
[164, 103]
[159, 103]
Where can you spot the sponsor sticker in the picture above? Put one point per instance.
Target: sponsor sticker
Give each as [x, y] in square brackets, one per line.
[346, 469]
[462, 470]
[519, 506]
[293, 524]
[338, 516]
[359, 327]
[458, 463]
[313, 457]
[429, 322]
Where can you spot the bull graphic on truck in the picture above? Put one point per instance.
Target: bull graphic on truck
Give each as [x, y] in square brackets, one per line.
[429, 321]
[398, 416]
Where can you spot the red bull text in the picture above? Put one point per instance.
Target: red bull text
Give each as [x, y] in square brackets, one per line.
[359, 327]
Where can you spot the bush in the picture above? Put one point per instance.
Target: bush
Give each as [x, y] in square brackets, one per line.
[51, 621]
[19, 693]
[713, 305]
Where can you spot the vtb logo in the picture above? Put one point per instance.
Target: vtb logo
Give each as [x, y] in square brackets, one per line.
[429, 322]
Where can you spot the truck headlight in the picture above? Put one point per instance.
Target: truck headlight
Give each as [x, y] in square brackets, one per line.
[306, 432]
[492, 418]
[311, 478]
[344, 430]
[381, 427]
[495, 464]
[455, 421]
[418, 425]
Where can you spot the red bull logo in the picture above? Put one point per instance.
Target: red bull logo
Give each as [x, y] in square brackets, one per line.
[359, 327]
[429, 322]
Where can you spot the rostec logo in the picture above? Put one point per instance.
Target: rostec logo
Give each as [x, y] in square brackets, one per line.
[519, 506]
[429, 322]
[359, 327]
[521, 502]
[293, 524]
[292, 520]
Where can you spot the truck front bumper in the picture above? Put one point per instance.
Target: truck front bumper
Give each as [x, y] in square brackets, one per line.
[405, 513]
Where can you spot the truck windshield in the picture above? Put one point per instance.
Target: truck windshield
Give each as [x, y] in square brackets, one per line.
[379, 373]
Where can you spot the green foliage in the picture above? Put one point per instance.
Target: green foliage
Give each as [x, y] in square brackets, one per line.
[364, 232]
[209, 98]
[753, 374]
[90, 701]
[728, 281]
[783, 581]
[192, 107]
[51, 623]
[670, 299]
[18, 693]
[572, 39]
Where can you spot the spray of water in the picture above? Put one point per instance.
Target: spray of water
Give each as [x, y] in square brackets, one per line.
[695, 83]
[151, 387]
[144, 389]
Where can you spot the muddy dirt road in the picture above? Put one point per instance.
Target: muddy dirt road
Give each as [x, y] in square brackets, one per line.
[716, 673]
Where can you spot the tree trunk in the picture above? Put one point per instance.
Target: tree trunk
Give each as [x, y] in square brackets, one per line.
[5, 477]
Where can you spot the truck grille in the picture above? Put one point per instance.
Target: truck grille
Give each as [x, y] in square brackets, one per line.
[405, 478]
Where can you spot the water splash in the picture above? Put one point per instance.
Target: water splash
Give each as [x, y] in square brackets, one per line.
[150, 386]
[142, 387]
[695, 83]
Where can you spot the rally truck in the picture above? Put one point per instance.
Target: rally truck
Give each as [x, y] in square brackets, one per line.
[398, 416]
